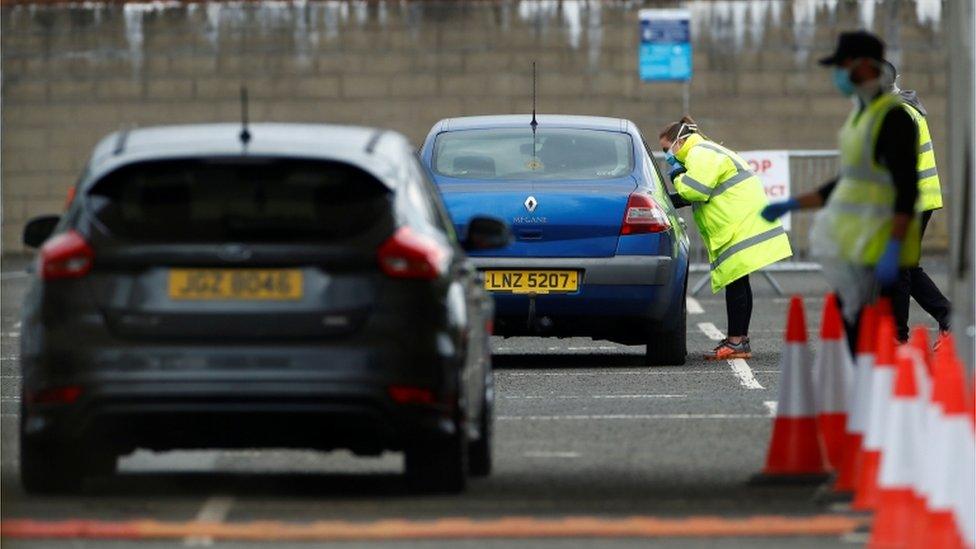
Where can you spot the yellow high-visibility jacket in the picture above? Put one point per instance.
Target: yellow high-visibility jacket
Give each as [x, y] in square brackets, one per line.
[929, 187]
[857, 218]
[726, 198]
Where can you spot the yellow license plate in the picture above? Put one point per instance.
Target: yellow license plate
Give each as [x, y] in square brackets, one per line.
[236, 284]
[531, 282]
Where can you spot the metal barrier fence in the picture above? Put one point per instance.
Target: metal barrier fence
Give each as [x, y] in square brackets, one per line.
[809, 169]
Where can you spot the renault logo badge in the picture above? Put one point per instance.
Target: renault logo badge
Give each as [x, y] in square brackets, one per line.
[531, 203]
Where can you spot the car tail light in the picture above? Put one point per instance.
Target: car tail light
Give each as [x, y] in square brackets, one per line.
[56, 395]
[408, 254]
[644, 215]
[66, 255]
[402, 394]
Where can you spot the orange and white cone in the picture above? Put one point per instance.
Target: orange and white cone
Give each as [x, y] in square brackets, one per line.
[794, 454]
[834, 379]
[927, 422]
[882, 381]
[966, 504]
[894, 521]
[859, 401]
[948, 471]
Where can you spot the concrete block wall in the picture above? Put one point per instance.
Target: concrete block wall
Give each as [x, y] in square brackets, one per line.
[72, 73]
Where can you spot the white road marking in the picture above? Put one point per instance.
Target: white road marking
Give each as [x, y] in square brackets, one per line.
[562, 455]
[711, 331]
[214, 509]
[694, 307]
[631, 416]
[771, 406]
[739, 367]
[529, 397]
[12, 275]
[742, 371]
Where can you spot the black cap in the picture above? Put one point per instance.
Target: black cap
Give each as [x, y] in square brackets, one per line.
[853, 45]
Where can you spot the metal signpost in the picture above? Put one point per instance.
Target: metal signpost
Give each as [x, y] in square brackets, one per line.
[665, 48]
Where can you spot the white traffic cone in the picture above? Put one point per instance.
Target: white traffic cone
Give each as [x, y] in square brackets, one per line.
[834, 380]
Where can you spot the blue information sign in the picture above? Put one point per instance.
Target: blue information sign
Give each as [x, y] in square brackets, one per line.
[665, 45]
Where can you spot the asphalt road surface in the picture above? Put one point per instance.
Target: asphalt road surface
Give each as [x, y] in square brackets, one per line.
[583, 430]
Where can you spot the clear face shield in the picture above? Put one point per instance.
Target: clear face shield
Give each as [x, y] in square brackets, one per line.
[684, 131]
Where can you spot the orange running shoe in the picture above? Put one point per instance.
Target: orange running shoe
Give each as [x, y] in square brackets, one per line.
[727, 350]
[943, 335]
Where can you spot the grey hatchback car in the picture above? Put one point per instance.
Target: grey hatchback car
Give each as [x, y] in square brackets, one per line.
[288, 286]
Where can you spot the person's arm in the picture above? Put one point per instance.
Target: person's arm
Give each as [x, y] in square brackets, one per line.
[805, 201]
[897, 150]
[696, 184]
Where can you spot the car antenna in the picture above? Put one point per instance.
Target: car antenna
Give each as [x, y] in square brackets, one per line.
[245, 135]
[534, 123]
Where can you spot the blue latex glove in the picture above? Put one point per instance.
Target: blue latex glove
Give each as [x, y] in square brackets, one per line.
[886, 271]
[676, 171]
[777, 210]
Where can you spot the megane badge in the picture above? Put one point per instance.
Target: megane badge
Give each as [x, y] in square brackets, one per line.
[531, 203]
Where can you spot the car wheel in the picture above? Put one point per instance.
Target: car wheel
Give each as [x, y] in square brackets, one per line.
[439, 466]
[49, 468]
[669, 347]
[479, 451]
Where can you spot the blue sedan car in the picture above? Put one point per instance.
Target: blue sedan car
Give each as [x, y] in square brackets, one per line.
[599, 250]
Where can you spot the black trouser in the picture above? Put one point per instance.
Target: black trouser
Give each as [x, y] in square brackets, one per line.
[738, 306]
[914, 282]
[853, 329]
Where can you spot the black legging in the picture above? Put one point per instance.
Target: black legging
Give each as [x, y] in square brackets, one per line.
[916, 283]
[738, 306]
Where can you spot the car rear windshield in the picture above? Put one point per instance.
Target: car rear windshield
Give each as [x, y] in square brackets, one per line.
[557, 154]
[251, 200]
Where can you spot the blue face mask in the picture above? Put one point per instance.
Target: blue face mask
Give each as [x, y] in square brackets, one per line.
[842, 81]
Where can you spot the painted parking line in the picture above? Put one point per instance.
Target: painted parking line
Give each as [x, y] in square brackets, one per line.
[616, 417]
[694, 307]
[448, 528]
[604, 397]
[213, 511]
[739, 367]
[551, 455]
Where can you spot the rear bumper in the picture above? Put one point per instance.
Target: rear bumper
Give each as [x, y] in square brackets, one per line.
[617, 270]
[619, 298]
[163, 415]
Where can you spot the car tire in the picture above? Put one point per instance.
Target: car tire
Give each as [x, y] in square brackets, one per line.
[50, 468]
[439, 466]
[479, 451]
[669, 347]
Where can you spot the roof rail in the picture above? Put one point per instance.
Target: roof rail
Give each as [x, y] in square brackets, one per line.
[373, 140]
[121, 140]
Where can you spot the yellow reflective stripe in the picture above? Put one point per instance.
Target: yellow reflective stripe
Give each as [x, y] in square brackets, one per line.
[720, 150]
[695, 184]
[747, 243]
[743, 172]
[866, 175]
[729, 183]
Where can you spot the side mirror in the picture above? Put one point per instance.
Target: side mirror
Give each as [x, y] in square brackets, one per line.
[487, 233]
[40, 229]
